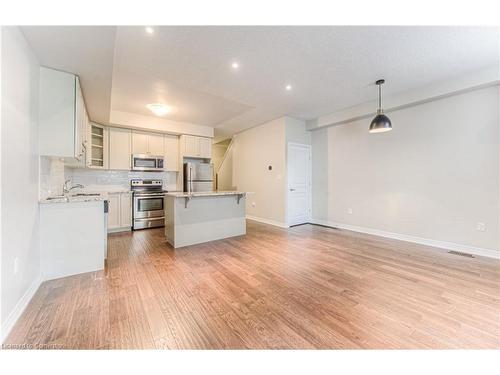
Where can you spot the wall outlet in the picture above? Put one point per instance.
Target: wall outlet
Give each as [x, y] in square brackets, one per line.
[16, 265]
[253, 204]
[481, 227]
[349, 211]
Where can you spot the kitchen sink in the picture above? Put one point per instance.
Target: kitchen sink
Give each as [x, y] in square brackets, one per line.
[86, 195]
[57, 197]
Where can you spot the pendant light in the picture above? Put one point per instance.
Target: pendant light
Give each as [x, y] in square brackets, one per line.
[380, 122]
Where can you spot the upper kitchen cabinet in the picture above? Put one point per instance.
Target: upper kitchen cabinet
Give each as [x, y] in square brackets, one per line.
[156, 144]
[120, 148]
[171, 161]
[62, 116]
[147, 143]
[196, 147]
[139, 142]
[97, 146]
[205, 146]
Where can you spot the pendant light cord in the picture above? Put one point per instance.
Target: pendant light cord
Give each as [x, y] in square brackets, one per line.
[380, 96]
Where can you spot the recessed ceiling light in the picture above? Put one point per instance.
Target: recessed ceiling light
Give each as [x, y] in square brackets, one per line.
[158, 109]
[235, 65]
[150, 30]
[288, 87]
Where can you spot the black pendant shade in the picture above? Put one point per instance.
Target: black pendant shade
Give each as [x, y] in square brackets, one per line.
[380, 122]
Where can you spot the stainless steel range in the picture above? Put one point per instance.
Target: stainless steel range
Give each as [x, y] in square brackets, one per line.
[148, 209]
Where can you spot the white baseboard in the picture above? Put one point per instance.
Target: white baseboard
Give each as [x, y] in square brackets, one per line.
[122, 229]
[490, 253]
[267, 221]
[19, 308]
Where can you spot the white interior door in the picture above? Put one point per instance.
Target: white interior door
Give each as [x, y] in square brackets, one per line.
[299, 183]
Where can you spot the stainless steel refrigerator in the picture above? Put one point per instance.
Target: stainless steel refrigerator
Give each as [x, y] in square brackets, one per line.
[198, 177]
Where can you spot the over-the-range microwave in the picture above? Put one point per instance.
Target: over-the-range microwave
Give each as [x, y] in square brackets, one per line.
[146, 162]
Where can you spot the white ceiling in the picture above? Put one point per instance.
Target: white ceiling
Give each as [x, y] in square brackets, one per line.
[189, 68]
[86, 51]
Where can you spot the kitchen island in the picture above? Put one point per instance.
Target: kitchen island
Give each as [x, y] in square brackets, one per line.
[193, 218]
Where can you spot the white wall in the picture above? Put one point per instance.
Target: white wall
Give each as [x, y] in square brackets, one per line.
[254, 150]
[19, 175]
[296, 131]
[435, 176]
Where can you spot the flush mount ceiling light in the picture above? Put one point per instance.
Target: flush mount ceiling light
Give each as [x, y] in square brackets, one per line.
[235, 65]
[380, 122]
[150, 30]
[158, 109]
[288, 87]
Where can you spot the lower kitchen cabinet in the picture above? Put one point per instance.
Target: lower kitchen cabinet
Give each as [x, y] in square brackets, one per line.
[126, 210]
[72, 238]
[119, 212]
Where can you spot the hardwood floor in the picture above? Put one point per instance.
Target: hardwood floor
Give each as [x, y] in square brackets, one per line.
[306, 287]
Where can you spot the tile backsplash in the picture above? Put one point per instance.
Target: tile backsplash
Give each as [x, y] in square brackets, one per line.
[51, 176]
[53, 173]
[93, 178]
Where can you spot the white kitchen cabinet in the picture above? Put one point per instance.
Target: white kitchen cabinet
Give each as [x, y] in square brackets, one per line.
[147, 143]
[97, 146]
[205, 146]
[119, 149]
[139, 142]
[80, 118]
[72, 238]
[62, 116]
[113, 211]
[190, 145]
[196, 147]
[86, 127]
[156, 144]
[119, 211]
[171, 155]
[126, 210]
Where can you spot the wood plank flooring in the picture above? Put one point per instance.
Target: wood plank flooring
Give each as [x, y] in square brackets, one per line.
[306, 287]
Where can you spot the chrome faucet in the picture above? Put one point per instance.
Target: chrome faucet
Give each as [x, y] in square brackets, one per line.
[66, 190]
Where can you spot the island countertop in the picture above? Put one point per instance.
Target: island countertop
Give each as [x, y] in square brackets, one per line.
[181, 194]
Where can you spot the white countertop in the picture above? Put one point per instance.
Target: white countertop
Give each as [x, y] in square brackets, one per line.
[73, 198]
[103, 195]
[203, 194]
[102, 192]
[104, 189]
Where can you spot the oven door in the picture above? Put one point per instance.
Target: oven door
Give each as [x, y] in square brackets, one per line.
[142, 162]
[147, 206]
